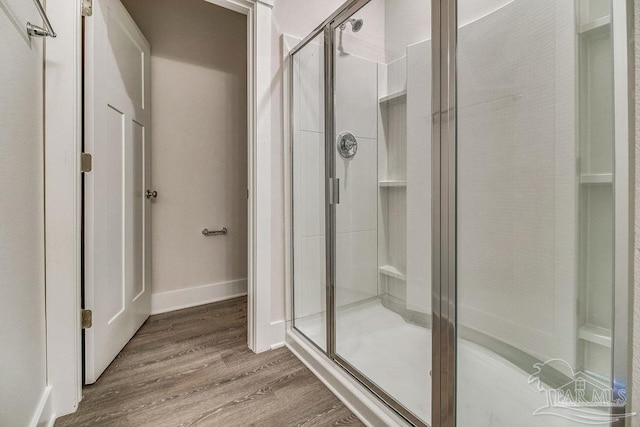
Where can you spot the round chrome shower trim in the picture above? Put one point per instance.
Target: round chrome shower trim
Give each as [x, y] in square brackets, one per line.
[347, 145]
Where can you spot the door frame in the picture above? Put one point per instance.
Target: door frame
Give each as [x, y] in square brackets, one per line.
[63, 132]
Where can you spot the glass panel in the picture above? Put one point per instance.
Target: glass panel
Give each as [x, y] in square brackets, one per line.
[309, 250]
[534, 212]
[382, 154]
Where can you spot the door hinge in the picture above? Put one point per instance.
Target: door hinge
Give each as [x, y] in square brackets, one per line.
[86, 317]
[87, 7]
[86, 162]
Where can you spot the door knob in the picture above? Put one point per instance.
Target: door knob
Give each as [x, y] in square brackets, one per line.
[149, 194]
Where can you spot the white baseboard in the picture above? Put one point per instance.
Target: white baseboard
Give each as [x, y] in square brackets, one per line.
[190, 297]
[277, 334]
[370, 410]
[42, 415]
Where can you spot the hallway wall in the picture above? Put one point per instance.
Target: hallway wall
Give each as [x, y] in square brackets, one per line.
[199, 149]
[22, 314]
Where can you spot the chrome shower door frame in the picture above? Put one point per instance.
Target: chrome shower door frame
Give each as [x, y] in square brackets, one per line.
[622, 35]
[444, 30]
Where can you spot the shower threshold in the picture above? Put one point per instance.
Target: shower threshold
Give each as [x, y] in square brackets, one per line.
[388, 349]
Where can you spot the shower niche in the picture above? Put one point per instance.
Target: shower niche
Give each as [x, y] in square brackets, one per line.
[392, 183]
[404, 183]
[596, 141]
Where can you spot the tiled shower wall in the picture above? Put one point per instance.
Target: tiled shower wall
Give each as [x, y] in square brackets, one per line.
[309, 192]
[356, 216]
[516, 200]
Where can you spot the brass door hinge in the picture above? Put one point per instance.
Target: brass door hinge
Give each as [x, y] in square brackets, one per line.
[87, 7]
[86, 317]
[86, 162]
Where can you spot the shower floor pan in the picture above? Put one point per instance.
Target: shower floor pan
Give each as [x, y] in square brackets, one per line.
[396, 355]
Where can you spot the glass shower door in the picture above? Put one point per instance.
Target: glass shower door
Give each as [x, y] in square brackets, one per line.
[535, 212]
[381, 211]
[308, 167]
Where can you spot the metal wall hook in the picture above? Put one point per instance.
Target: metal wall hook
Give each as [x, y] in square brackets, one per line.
[37, 31]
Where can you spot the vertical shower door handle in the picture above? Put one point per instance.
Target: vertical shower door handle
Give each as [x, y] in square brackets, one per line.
[334, 191]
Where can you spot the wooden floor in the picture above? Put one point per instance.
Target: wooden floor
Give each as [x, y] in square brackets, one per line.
[193, 367]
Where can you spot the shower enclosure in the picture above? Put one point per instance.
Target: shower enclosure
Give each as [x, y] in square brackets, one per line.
[460, 189]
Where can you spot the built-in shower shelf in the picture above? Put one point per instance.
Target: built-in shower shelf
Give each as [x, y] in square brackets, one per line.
[393, 96]
[595, 334]
[390, 183]
[595, 24]
[391, 271]
[596, 178]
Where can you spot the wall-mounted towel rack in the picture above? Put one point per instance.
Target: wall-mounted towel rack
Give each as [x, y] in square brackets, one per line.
[207, 232]
[36, 31]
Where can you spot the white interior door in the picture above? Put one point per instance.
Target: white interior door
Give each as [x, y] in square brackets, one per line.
[117, 211]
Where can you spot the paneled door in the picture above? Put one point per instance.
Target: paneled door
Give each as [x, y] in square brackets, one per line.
[118, 195]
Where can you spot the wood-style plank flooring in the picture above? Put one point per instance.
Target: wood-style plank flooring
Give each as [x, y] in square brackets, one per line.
[193, 367]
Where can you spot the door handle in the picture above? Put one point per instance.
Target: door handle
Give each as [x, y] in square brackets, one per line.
[149, 194]
[334, 191]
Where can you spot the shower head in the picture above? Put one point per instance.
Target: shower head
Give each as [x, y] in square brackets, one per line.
[356, 24]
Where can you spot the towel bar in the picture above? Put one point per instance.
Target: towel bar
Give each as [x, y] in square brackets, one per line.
[221, 232]
[36, 31]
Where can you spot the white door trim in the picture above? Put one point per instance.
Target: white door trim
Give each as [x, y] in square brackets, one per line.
[63, 222]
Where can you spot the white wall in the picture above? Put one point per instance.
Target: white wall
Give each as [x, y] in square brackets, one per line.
[308, 181]
[298, 18]
[406, 22]
[199, 144]
[356, 111]
[516, 201]
[22, 334]
[409, 21]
